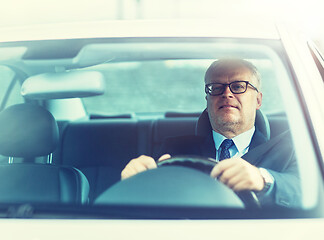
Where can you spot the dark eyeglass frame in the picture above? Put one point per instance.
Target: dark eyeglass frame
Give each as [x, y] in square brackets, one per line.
[208, 90]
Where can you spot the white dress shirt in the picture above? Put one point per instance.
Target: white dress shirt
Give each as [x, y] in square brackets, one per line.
[241, 143]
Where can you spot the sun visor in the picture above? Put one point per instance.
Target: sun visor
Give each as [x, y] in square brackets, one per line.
[74, 84]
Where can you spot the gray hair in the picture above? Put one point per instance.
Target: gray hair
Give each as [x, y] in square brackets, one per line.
[226, 63]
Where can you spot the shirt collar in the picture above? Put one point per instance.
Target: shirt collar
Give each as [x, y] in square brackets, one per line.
[241, 141]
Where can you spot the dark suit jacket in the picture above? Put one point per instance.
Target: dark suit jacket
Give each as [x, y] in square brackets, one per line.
[276, 155]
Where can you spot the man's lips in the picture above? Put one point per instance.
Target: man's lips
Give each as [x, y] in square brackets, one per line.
[226, 106]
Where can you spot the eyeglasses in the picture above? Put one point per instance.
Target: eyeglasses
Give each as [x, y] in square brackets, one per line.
[237, 87]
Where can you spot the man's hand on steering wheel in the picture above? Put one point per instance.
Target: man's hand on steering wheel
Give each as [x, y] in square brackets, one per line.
[238, 175]
[140, 164]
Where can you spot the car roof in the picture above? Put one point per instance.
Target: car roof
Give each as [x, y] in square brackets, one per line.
[231, 27]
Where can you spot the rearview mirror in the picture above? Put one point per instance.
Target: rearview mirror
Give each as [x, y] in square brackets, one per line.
[74, 84]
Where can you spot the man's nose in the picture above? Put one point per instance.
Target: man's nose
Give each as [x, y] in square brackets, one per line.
[227, 92]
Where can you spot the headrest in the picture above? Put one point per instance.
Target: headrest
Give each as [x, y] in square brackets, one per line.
[26, 131]
[203, 126]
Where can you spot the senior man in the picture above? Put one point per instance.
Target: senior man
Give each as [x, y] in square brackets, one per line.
[247, 161]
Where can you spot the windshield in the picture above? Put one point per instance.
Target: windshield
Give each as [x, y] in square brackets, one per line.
[154, 99]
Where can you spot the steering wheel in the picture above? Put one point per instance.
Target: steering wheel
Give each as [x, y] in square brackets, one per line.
[200, 163]
[179, 182]
[205, 165]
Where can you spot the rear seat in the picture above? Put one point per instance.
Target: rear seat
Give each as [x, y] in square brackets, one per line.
[102, 148]
[167, 127]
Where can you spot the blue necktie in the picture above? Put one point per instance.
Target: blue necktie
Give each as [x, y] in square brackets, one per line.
[226, 144]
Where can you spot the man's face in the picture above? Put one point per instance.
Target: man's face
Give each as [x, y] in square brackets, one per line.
[232, 114]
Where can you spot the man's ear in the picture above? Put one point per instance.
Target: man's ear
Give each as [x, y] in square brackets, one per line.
[259, 100]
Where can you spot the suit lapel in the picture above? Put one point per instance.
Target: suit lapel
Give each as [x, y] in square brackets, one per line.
[257, 139]
[259, 147]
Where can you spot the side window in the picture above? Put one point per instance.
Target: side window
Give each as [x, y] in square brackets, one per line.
[10, 88]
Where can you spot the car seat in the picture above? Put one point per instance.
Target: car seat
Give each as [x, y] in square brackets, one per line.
[28, 131]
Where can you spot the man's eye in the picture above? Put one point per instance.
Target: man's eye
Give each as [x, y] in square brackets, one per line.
[237, 86]
[217, 88]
